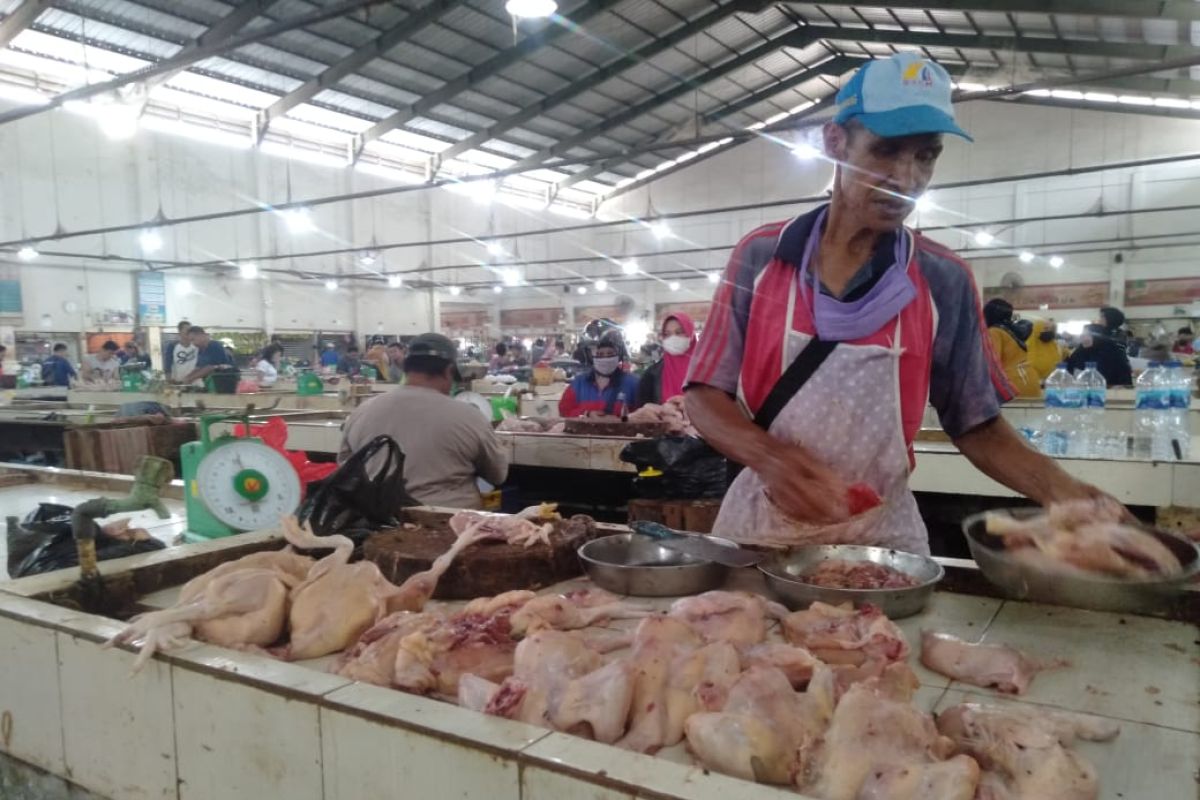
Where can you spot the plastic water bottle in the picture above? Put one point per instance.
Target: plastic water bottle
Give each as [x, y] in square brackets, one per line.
[1095, 389]
[1152, 404]
[1064, 403]
[1179, 427]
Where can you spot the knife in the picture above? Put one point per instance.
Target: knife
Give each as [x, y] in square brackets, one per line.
[697, 545]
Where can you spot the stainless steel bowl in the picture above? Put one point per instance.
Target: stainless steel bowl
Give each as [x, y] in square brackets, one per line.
[1023, 581]
[627, 563]
[783, 571]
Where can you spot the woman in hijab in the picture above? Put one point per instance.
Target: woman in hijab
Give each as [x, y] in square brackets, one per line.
[1110, 358]
[1044, 349]
[1009, 343]
[664, 379]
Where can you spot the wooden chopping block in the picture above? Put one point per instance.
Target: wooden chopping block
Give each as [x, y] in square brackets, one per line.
[485, 569]
[697, 516]
[613, 426]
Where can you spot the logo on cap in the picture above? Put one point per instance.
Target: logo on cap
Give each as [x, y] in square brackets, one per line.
[918, 72]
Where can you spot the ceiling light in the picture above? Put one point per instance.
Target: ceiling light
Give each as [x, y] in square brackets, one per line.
[455, 290]
[117, 120]
[331, 285]
[367, 258]
[1056, 261]
[673, 286]
[924, 202]
[494, 249]
[184, 286]
[511, 276]
[601, 285]
[497, 288]
[531, 9]
[1026, 257]
[299, 220]
[983, 238]
[481, 191]
[581, 290]
[660, 229]
[27, 253]
[714, 277]
[630, 267]
[395, 281]
[248, 271]
[805, 151]
[150, 241]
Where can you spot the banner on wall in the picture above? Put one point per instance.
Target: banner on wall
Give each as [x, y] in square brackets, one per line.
[586, 314]
[152, 298]
[10, 292]
[531, 319]
[697, 311]
[1162, 292]
[464, 319]
[1054, 295]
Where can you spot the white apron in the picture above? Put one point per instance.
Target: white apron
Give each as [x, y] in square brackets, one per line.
[848, 416]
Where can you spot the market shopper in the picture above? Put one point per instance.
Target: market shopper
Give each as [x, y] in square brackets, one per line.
[350, 363]
[1110, 358]
[182, 354]
[211, 355]
[837, 328]
[396, 352]
[57, 369]
[132, 354]
[268, 365]
[103, 365]
[329, 356]
[447, 444]
[1043, 348]
[1008, 342]
[605, 390]
[664, 379]
[1183, 342]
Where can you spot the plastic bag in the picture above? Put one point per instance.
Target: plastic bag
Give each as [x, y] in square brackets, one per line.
[691, 468]
[44, 542]
[364, 494]
[274, 434]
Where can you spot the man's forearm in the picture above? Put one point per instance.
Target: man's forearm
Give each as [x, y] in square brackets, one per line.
[723, 425]
[1001, 453]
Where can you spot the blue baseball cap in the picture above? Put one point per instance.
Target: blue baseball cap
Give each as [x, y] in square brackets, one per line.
[901, 95]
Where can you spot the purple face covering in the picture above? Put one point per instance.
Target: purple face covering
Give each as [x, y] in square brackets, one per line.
[838, 321]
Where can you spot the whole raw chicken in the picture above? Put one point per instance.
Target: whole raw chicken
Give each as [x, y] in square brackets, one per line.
[739, 618]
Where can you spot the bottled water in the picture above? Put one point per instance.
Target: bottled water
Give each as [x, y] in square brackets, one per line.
[1180, 399]
[1064, 404]
[1095, 389]
[1152, 406]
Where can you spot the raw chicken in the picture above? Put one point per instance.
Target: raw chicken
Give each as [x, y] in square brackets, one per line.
[875, 736]
[795, 662]
[526, 528]
[766, 731]
[739, 618]
[843, 635]
[673, 413]
[674, 678]
[1024, 753]
[434, 658]
[570, 612]
[560, 682]
[992, 666]
[372, 659]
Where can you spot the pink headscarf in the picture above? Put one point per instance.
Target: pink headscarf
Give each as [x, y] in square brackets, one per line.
[675, 368]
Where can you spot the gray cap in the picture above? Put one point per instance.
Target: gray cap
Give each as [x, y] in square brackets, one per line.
[433, 344]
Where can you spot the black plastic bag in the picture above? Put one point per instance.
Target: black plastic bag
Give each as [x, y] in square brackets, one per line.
[43, 542]
[363, 495]
[691, 468]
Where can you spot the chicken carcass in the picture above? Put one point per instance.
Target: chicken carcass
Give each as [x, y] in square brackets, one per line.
[372, 659]
[571, 611]
[1025, 752]
[879, 742]
[433, 659]
[560, 682]
[526, 528]
[992, 666]
[739, 618]
[843, 635]
[674, 678]
[796, 663]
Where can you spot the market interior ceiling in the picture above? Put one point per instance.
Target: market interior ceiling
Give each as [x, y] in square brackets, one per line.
[573, 109]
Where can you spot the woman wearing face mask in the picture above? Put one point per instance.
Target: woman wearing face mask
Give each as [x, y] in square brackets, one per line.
[1044, 349]
[606, 390]
[664, 379]
[1008, 342]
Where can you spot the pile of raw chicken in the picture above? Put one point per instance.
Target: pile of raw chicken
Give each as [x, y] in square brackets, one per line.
[828, 708]
[672, 413]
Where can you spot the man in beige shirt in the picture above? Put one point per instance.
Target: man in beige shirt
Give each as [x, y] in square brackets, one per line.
[446, 444]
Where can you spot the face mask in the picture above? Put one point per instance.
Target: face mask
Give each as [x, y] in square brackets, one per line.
[606, 366]
[676, 345]
[1046, 336]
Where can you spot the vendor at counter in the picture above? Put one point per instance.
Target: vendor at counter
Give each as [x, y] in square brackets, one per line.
[103, 365]
[447, 444]
[832, 331]
[606, 389]
[664, 379]
[210, 355]
[57, 369]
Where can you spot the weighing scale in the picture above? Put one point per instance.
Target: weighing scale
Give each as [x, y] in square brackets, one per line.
[234, 484]
[309, 383]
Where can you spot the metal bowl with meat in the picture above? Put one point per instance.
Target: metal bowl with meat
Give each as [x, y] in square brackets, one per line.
[899, 583]
[1100, 563]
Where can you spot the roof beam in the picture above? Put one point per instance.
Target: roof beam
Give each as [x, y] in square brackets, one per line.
[220, 31]
[20, 19]
[481, 72]
[183, 60]
[837, 65]
[596, 77]
[355, 61]
[1185, 10]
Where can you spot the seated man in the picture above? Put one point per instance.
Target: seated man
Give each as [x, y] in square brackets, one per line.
[447, 444]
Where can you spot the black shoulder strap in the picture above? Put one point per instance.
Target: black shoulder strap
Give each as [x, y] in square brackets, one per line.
[792, 380]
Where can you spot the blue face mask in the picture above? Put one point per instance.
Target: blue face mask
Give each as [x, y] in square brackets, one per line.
[838, 321]
[606, 366]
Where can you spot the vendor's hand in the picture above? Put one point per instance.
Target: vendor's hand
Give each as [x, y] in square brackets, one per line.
[1068, 488]
[802, 487]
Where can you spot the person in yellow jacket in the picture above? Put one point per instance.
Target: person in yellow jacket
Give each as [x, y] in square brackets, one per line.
[1009, 346]
[1043, 348]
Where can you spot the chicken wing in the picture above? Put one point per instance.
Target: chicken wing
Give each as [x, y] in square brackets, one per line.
[992, 666]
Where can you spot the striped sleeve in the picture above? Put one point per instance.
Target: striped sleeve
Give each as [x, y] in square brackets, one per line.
[967, 384]
[718, 358]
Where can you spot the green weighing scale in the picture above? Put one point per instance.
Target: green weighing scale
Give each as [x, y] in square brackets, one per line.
[309, 383]
[234, 484]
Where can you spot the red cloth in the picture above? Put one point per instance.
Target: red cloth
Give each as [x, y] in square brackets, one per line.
[274, 435]
[675, 368]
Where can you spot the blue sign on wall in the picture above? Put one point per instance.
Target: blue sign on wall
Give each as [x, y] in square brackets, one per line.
[152, 298]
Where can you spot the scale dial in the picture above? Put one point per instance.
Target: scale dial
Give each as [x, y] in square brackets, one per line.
[247, 485]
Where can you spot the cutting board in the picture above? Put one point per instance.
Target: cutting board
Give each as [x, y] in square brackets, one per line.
[612, 426]
[485, 569]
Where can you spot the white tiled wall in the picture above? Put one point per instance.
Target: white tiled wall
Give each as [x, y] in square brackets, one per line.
[30, 711]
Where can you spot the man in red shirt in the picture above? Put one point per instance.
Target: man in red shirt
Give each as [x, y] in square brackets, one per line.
[830, 333]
